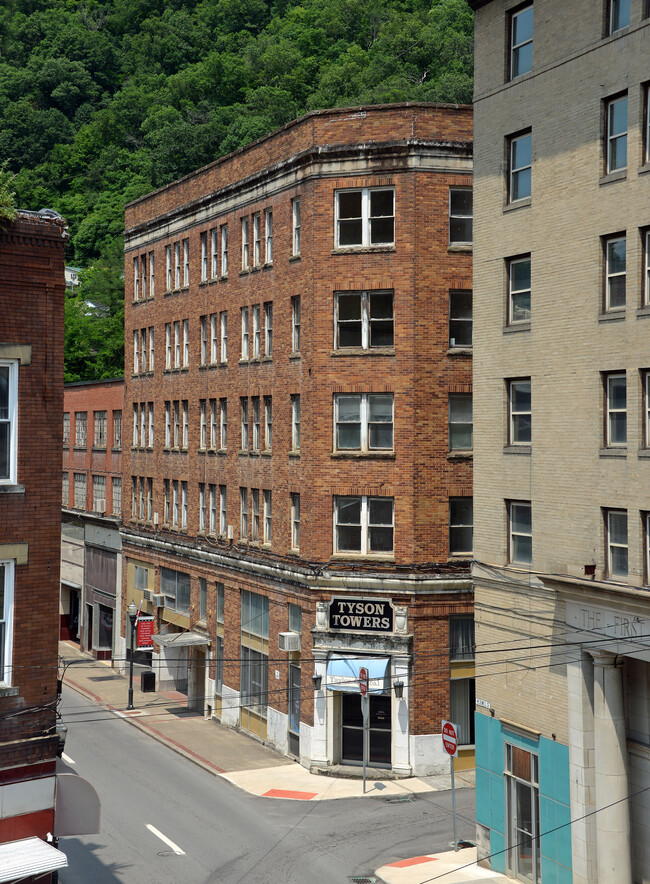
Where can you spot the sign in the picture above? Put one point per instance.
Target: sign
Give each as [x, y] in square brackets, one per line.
[144, 630]
[450, 738]
[363, 681]
[484, 704]
[361, 615]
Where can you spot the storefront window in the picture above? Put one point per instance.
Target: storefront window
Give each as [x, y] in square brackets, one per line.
[254, 661]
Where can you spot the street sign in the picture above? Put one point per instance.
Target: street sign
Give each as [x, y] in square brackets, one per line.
[363, 681]
[145, 631]
[450, 738]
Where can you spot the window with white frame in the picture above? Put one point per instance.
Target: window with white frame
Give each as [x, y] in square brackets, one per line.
[203, 598]
[616, 134]
[80, 417]
[177, 265]
[616, 545]
[214, 338]
[243, 513]
[646, 268]
[460, 422]
[117, 429]
[268, 329]
[615, 272]
[519, 412]
[135, 425]
[213, 509]
[257, 239]
[166, 501]
[363, 421]
[152, 275]
[646, 543]
[150, 413]
[143, 276]
[223, 322]
[143, 425]
[80, 491]
[519, 289]
[295, 521]
[168, 425]
[268, 236]
[184, 505]
[245, 258]
[136, 351]
[520, 532]
[257, 330]
[65, 489]
[295, 422]
[363, 320]
[186, 262]
[244, 423]
[365, 217]
[151, 347]
[363, 525]
[117, 495]
[223, 513]
[186, 343]
[214, 253]
[460, 215]
[295, 324]
[245, 344]
[268, 518]
[177, 424]
[223, 424]
[295, 619]
[136, 279]
[149, 500]
[646, 115]
[521, 41]
[175, 503]
[175, 586]
[268, 423]
[134, 497]
[295, 226]
[143, 349]
[168, 345]
[177, 344]
[204, 339]
[168, 268]
[101, 423]
[66, 425]
[615, 384]
[461, 526]
[460, 318]
[462, 643]
[186, 428]
[255, 513]
[646, 408]
[201, 508]
[257, 427]
[202, 425]
[224, 250]
[6, 621]
[204, 256]
[99, 494]
[520, 162]
[213, 424]
[619, 15]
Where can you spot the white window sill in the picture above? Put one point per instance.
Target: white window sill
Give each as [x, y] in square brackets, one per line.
[515, 327]
[518, 449]
[616, 175]
[10, 488]
[614, 315]
[363, 455]
[8, 691]
[517, 204]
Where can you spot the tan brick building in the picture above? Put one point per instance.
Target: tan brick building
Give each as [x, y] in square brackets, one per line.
[561, 377]
[298, 402]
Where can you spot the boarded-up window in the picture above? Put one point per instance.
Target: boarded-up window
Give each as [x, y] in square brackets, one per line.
[101, 570]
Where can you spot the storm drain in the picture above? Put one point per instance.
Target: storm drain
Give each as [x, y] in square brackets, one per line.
[408, 799]
[364, 879]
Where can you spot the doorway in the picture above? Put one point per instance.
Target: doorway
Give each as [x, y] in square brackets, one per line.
[379, 730]
[88, 630]
[522, 807]
[294, 710]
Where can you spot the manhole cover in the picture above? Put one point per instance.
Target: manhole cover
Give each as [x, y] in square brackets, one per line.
[407, 800]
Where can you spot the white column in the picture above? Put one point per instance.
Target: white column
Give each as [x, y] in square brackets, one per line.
[611, 763]
[580, 680]
[400, 717]
[319, 754]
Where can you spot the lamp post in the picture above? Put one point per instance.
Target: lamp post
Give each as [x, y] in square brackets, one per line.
[132, 611]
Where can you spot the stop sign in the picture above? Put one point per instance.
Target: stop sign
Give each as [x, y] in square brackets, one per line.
[450, 738]
[363, 681]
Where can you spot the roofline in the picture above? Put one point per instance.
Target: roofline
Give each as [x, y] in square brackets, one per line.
[102, 382]
[476, 4]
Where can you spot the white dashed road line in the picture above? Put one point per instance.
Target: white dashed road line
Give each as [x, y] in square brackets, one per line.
[166, 840]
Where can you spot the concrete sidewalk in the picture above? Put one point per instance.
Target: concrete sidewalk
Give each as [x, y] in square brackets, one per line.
[450, 867]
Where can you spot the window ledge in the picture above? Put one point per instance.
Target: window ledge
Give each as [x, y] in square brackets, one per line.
[256, 268]
[293, 552]
[612, 315]
[460, 351]
[293, 258]
[515, 327]
[618, 175]
[254, 359]
[8, 691]
[254, 453]
[297, 454]
[644, 169]
[456, 558]
[372, 557]
[12, 489]
[222, 364]
[244, 361]
[362, 250]
[643, 452]
[203, 283]
[460, 455]
[98, 448]
[265, 545]
[79, 448]
[359, 351]
[517, 204]
[517, 449]
[267, 265]
[267, 453]
[295, 356]
[243, 452]
[244, 271]
[116, 450]
[221, 452]
[643, 311]
[267, 359]
[363, 455]
[613, 452]
[465, 248]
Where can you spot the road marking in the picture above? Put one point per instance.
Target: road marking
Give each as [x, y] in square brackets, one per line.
[67, 759]
[169, 843]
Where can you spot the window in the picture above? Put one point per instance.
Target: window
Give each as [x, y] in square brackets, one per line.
[268, 518]
[151, 348]
[177, 344]
[244, 333]
[168, 425]
[254, 661]
[143, 349]
[519, 408]
[646, 268]
[268, 423]
[255, 524]
[295, 521]
[117, 429]
[204, 257]
[268, 236]
[79, 418]
[460, 421]
[365, 217]
[619, 15]
[615, 272]
[150, 414]
[136, 352]
[521, 42]
[460, 319]
[616, 542]
[65, 489]
[168, 345]
[213, 423]
[462, 645]
[177, 424]
[257, 240]
[244, 244]
[363, 422]
[175, 503]
[295, 226]
[135, 424]
[244, 423]
[295, 423]
[243, 513]
[213, 509]
[223, 515]
[224, 335]
[257, 331]
[520, 533]
[136, 279]
[143, 425]
[177, 265]
[295, 324]
[519, 289]
[204, 340]
[152, 275]
[165, 501]
[214, 339]
[520, 161]
[201, 508]
[268, 329]
[257, 428]
[168, 268]
[462, 703]
[99, 494]
[616, 134]
[117, 495]
[363, 525]
[6, 619]
[186, 262]
[203, 598]
[646, 538]
[175, 586]
[224, 250]
[616, 406]
[100, 420]
[80, 491]
[295, 619]
[363, 320]
[223, 424]
[460, 215]
[66, 428]
[184, 505]
[214, 253]
[461, 522]
[202, 425]
[149, 499]
[646, 115]
[646, 408]
[186, 343]
[185, 424]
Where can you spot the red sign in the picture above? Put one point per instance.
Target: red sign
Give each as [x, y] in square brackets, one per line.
[363, 681]
[450, 738]
[145, 629]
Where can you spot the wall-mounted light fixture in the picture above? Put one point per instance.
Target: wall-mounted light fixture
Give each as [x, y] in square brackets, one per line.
[398, 687]
[318, 680]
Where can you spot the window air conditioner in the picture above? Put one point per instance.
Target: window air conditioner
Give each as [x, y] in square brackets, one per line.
[289, 641]
[147, 595]
[159, 600]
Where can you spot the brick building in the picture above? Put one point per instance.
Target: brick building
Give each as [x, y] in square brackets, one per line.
[562, 384]
[300, 464]
[31, 399]
[91, 561]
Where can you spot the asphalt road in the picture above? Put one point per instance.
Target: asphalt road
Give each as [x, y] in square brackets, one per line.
[228, 836]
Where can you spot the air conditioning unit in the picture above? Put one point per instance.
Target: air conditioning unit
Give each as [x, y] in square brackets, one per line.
[101, 506]
[147, 595]
[158, 600]
[289, 641]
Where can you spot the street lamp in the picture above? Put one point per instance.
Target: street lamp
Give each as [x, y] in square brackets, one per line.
[132, 611]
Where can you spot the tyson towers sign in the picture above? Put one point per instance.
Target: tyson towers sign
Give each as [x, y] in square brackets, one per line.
[364, 615]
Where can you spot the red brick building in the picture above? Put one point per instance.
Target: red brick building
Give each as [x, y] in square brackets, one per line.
[31, 401]
[91, 562]
[298, 404]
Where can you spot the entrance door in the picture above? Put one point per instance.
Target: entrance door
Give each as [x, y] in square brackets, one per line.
[88, 628]
[294, 710]
[522, 804]
[379, 730]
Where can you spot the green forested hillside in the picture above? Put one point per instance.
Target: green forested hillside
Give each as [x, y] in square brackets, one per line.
[103, 100]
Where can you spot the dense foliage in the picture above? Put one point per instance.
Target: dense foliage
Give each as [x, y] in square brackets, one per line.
[103, 100]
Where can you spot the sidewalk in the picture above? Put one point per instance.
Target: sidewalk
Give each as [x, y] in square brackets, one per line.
[450, 867]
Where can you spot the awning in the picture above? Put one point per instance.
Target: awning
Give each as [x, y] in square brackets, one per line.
[180, 639]
[343, 673]
[29, 856]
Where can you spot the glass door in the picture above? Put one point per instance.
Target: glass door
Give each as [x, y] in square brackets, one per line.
[379, 730]
[294, 710]
[522, 805]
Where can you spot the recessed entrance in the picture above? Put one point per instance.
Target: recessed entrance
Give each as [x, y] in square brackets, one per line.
[379, 730]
